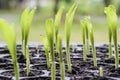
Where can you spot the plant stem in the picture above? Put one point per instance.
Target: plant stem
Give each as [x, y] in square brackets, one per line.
[68, 59]
[53, 71]
[16, 69]
[47, 56]
[27, 61]
[116, 48]
[110, 44]
[84, 52]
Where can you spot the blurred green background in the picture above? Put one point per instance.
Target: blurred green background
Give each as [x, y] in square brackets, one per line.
[11, 11]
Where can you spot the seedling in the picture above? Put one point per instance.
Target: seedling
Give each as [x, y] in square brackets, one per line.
[83, 24]
[92, 42]
[50, 37]
[57, 22]
[26, 20]
[45, 42]
[112, 23]
[62, 65]
[10, 38]
[68, 24]
[86, 34]
[101, 71]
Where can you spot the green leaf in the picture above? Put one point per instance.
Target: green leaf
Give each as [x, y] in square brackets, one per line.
[45, 42]
[112, 23]
[68, 24]
[57, 22]
[10, 38]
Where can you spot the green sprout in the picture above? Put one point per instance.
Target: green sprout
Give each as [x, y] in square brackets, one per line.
[37, 50]
[10, 38]
[50, 37]
[57, 22]
[45, 42]
[68, 24]
[26, 20]
[62, 65]
[86, 34]
[101, 71]
[112, 23]
[83, 24]
[92, 42]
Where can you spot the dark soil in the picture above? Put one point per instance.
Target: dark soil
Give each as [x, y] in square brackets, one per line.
[80, 70]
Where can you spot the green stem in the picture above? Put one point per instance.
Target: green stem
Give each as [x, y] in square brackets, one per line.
[53, 71]
[84, 52]
[27, 61]
[16, 70]
[68, 59]
[110, 50]
[62, 70]
[47, 57]
[94, 56]
[116, 49]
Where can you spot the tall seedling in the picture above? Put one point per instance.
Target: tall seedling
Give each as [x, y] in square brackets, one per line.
[62, 65]
[10, 38]
[68, 24]
[26, 20]
[57, 22]
[112, 23]
[87, 34]
[92, 42]
[83, 24]
[50, 36]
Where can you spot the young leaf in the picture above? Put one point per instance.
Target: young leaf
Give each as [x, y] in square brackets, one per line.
[57, 22]
[45, 42]
[62, 66]
[92, 42]
[83, 25]
[68, 24]
[50, 37]
[112, 23]
[10, 38]
[86, 34]
[26, 20]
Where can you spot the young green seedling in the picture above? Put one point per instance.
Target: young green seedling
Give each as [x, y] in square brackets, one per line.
[62, 65]
[86, 34]
[27, 60]
[92, 42]
[101, 71]
[112, 23]
[10, 38]
[57, 22]
[26, 20]
[68, 24]
[83, 24]
[45, 42]
[50, 37]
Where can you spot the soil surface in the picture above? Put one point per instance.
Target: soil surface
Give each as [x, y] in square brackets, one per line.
[81, 70]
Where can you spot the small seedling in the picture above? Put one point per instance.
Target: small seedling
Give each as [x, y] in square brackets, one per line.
[26, 20]
[50, 37]
[62, 65]
[45, 42]
[83, 24]
[92, 42]
[101, 71]
[112, 23]
[10, 38]
[68, 24]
